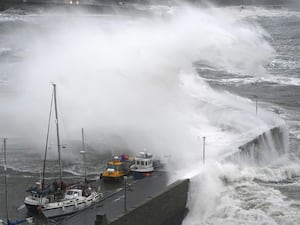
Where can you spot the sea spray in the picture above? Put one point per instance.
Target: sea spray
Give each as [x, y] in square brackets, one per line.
[236, 197]
[134, 79]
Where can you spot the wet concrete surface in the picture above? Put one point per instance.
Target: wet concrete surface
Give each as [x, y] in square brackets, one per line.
[112, 203]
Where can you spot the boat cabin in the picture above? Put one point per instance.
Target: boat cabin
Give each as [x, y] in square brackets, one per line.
[143, 163]
[73, 193]
[115, 170]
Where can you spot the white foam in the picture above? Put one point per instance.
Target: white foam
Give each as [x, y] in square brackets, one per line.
[275, 79]
[261, 11]
[233, 197]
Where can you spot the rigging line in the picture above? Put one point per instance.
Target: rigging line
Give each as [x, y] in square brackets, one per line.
[2, 154]
[65, 134]
[84, 154]
[47, 140]
[62, 120]
[2, 157]
[57, 134]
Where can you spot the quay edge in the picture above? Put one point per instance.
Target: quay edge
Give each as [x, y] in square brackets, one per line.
[168, 207]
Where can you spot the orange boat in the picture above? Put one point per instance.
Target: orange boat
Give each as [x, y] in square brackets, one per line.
[115, 170]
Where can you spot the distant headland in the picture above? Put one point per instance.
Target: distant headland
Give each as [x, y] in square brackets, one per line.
[104, 4]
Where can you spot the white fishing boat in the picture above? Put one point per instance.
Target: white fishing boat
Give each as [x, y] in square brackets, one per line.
[143, 163]
[76, 198]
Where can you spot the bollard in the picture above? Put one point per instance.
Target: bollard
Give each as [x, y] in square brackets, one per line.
[101, 220]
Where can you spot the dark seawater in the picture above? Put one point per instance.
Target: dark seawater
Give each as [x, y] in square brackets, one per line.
[277, 91]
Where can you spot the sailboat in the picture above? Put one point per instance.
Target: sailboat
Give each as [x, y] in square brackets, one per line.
[8, 221]
[39, 193]
[63, 200]
[76, 198]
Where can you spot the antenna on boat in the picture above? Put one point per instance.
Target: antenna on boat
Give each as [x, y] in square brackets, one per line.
[83, 152]
[57, 133]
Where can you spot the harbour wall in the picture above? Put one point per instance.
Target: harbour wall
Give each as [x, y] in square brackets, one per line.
[264, 148]
[170, 205]
[166, 208]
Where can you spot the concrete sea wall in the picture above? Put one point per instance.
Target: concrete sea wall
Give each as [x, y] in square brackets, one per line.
[264, 148]
[169, 206]
[166, 208]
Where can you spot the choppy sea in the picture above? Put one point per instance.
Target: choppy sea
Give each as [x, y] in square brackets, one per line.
[159, 80]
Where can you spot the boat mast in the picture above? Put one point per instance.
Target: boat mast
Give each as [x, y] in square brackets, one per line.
[46, 147]
[83, 152]
[57, 134]
[5, 179]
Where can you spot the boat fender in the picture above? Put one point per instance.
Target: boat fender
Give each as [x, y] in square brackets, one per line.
[76, 206]
[63, 208]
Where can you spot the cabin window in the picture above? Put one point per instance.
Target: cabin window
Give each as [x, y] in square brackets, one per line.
[109, 166]
[138, 162]
[142, 163]
[146, 163]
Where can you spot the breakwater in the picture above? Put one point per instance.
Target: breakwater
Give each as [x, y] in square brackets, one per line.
[147, 201]
[264, 148]
[168, 207]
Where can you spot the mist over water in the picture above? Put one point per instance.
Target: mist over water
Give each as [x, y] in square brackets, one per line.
[134, 79]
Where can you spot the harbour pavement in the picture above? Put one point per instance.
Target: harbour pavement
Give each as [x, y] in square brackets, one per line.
[113, 202]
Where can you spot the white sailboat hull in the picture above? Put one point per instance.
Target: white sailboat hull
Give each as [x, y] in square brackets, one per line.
[32, 203]
[70, 206]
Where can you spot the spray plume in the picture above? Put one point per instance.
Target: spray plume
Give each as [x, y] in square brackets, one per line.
[134, 78]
